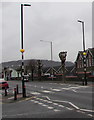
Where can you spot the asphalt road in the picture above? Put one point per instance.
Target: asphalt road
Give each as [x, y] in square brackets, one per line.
[51, 100]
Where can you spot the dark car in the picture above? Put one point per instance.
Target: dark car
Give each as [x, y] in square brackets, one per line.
[3, 84]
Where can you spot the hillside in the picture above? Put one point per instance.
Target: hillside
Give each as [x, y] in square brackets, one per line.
[45, 63]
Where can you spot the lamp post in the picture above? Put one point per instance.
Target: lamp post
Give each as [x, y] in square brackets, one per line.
[51, 54]
[84, 52]
[22, 51]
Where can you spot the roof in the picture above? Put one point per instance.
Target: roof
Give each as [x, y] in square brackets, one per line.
[91, 50]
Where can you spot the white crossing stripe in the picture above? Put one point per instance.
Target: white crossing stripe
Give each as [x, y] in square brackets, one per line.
[40, 103]
[60, 105]
[90, 115]
[46, 91]
[55, 103]
[50, 107]
[56, 90]
[35, 93]
[56, 110]
[44, 105]
[69, 108]
[36, 101]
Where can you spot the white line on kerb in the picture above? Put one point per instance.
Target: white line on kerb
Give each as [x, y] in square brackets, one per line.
[69, 103]
[73, 105]
[87, 110]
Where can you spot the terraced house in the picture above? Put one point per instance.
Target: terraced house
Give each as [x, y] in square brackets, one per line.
[89, 63]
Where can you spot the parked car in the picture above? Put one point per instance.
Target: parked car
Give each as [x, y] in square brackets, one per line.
[3, 84]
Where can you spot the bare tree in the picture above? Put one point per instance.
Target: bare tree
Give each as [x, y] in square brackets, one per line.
[18, 69]
[39, 69]
[31, 67]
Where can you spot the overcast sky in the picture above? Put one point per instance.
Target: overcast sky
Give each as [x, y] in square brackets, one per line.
[48, 21]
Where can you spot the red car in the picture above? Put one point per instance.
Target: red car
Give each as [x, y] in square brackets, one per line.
[3, 84]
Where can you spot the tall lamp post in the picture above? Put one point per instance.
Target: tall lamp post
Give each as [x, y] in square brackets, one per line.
[84, 53]
[22, 51]
[51, 52]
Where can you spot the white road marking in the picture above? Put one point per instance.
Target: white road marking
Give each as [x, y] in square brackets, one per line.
[36, 102]
[41, 86]
[62, 84]
[73, 105]
[35, 93]
[74, 90]
[44, 100]
[40, 103]
[46, 91]
[60, 105]
[46, 97]
[90, 115]
[78, 109]
[32, 100]
[55, 103]
[44, 105]
[49, 102]
[87, 110]
[50, 107]
[70, 88]
[56, 110]
[56, 89]
[69, 108]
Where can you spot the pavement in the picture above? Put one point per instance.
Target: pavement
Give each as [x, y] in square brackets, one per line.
[10, 98]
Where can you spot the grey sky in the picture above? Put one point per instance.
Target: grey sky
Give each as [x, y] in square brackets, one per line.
[49, 21]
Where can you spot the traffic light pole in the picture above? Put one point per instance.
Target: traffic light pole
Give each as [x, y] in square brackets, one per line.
[22, 68]
[84, 53]
[85, 79]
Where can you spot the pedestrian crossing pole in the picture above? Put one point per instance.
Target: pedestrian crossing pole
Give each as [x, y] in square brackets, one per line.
[84, 61]
[22, 51]
[84, 52]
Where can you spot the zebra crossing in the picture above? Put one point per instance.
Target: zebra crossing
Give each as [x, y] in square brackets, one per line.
[56, 107]
[50, 105]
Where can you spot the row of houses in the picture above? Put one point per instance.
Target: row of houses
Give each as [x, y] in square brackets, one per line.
[79, 63]
[76, 70]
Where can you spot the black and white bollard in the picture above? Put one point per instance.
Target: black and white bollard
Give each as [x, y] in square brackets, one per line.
[15, 94]
[5, 91]
[17, 89]
[24, 91]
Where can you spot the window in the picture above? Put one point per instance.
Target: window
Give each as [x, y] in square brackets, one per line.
[90, 60]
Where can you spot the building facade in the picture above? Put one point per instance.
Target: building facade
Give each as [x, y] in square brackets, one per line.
[79, 63]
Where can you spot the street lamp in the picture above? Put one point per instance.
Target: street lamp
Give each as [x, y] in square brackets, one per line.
[51, 53]
[84, 52]
[22, 51]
